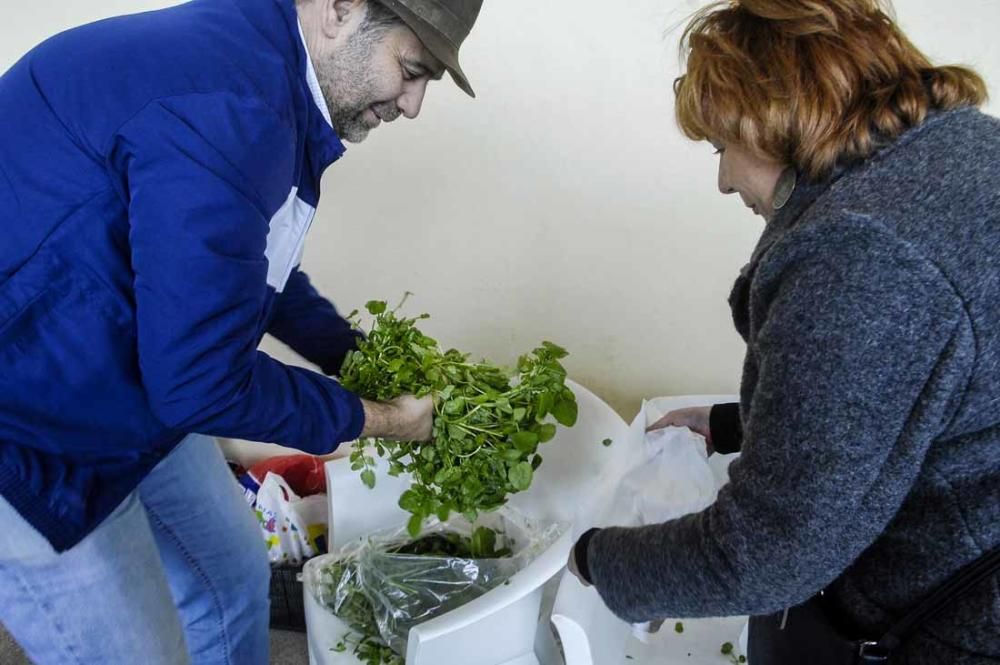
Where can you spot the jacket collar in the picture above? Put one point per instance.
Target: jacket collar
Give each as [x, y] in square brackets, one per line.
[278, 22]
[807, 193]
[313, 81]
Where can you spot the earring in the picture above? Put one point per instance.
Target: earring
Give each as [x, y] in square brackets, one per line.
[785, 187]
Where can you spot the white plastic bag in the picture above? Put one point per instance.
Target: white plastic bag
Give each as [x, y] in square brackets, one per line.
[294, 528]
[672, 478]
[655, 478]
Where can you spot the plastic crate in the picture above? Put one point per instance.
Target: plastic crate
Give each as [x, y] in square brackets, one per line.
[287, 609]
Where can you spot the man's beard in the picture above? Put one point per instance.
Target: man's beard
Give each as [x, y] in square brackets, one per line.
[349, 86]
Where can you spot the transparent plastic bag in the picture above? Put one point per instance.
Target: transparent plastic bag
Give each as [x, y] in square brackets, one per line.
[403, 582]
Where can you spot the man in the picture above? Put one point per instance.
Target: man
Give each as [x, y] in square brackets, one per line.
[158, 175]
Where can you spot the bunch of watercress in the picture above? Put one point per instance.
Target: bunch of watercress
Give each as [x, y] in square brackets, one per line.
[488, 423]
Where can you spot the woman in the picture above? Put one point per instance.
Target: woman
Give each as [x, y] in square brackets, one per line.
[869, 419]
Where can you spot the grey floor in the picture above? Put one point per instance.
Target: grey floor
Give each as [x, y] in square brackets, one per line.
[286, 649]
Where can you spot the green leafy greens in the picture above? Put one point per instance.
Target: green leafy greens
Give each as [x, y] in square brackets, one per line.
[488, 423]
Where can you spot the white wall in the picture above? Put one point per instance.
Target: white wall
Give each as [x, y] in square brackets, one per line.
[562, 204]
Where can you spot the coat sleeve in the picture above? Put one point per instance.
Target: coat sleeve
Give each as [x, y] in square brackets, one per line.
[311, 326]
[860, 350]
[203, 175]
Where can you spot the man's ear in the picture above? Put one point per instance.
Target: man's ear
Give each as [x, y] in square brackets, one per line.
[339, 15]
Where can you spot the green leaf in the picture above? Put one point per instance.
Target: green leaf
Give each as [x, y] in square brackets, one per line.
[536, 462]
[519, 413]
[525, 441]
[545, 402]
[607, 443]
[368, 478]
[375, 307]
[471, 486]
[546, 432]
[512, 454]
[520, 476]
[410, 501]
[415, 526]
[565, 411]
[555, 350]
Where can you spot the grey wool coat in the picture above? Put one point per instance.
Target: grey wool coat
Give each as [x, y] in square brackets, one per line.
[870, 405]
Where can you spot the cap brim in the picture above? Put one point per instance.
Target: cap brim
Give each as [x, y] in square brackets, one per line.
[439, 46]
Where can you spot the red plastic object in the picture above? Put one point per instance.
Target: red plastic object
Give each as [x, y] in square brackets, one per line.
[303, 473]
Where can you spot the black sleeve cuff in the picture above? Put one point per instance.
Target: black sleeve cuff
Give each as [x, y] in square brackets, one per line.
[580, 555]
[727, 430]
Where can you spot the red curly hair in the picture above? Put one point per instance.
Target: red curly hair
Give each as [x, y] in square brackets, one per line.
[810, 82]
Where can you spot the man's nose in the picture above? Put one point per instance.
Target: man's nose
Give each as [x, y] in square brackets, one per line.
[412, 98]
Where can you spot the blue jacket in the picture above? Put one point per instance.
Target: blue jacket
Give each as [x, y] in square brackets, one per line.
[158, 174]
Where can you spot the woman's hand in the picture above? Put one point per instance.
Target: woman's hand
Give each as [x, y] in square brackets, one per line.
[696, 419]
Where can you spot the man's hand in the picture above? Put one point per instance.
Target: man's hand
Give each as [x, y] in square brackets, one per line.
[402, 419]
[695, 419]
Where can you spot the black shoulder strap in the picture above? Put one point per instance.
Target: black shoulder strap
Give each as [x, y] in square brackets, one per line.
[947, 593]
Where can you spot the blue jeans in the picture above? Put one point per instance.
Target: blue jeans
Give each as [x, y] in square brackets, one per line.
[177, 574]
